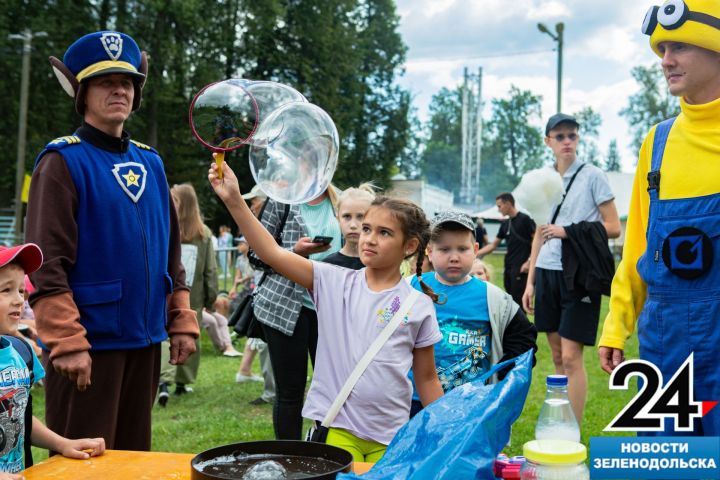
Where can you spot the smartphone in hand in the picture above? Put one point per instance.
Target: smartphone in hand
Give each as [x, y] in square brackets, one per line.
[322, 239]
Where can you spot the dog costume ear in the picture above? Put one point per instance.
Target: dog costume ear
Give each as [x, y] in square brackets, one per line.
[140, 83]
[67, 80]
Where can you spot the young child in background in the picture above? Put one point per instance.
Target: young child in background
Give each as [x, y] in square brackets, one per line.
[351, 207]
[353, 307]
[27, 326]
[17, 382]
[481, 270]
[481, 325]
[244, 273]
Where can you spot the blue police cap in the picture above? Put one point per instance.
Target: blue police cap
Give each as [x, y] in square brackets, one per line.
[103, 53]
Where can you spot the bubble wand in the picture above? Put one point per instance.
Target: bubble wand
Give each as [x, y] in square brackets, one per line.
[223, 119]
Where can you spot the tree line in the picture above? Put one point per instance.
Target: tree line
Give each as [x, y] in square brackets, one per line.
[512, 141]
[343, 55]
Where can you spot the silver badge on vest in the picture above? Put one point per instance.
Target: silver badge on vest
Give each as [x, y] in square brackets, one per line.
[131, 178]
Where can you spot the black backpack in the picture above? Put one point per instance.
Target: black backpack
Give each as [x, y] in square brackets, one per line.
[25, 351]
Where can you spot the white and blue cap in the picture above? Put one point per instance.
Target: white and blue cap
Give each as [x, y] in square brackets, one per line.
[557, 381]
[97, 54]
[453, 216]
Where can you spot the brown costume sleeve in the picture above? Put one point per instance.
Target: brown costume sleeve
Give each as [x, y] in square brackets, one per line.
[181, 318]
[58, 324]
[51, 225]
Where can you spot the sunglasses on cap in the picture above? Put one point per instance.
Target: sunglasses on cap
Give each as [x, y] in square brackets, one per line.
[672, 15]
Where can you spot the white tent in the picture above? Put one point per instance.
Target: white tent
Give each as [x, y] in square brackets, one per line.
[621, 184]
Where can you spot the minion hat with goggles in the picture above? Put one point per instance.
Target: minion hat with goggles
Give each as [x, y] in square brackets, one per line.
[96, 54]
[696, 22]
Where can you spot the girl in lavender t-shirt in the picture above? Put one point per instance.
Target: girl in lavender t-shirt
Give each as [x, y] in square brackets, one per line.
[353, 307]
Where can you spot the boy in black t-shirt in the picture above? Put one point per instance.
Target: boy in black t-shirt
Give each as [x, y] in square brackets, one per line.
[518, 230]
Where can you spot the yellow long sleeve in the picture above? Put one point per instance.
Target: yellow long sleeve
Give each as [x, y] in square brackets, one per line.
[690, 168]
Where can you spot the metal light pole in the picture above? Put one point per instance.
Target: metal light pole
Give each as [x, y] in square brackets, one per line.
[558, 37]
[26, 36]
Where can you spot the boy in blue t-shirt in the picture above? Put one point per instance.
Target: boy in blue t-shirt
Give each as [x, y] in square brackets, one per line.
[481, 324]
[15, 378]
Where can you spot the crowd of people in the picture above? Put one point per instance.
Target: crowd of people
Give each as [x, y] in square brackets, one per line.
[123, 273]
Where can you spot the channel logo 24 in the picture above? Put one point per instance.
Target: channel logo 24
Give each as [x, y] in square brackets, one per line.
[653, 403]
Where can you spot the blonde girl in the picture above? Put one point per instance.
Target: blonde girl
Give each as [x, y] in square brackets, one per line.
[481, 270]
[351, 207]
[353, 307]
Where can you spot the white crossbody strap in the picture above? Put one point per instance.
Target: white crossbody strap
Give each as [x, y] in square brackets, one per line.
[368, 357]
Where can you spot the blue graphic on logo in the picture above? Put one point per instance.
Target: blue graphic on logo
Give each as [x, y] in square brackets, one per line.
[686, 252]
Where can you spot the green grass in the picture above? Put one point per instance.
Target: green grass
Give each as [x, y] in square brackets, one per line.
[602, 404]
[218, 411]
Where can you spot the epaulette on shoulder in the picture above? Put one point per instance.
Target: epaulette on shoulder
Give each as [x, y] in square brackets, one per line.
[143, 146]
[61, 142]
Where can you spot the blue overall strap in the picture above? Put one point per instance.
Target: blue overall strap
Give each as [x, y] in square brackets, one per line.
[661, 135]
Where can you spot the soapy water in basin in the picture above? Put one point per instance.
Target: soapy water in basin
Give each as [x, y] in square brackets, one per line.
[266, 467]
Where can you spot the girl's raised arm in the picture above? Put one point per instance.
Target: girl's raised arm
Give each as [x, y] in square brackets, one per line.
[288, 264]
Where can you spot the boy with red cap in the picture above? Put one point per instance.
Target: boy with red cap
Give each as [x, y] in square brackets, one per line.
[18, 374]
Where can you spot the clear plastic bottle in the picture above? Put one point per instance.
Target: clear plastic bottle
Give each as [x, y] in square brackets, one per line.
[557, 420]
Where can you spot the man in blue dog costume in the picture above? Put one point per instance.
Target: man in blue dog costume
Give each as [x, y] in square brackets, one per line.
[112, 286]
[668, 282]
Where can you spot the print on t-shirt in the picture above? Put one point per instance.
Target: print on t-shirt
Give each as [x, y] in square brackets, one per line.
[14, 385]
[465, 351]
[471, 345]
[386, 314]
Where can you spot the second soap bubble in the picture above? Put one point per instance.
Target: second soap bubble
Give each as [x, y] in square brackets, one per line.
[294, 153]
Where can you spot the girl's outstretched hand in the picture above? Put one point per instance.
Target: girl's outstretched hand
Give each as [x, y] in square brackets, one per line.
[227, 188]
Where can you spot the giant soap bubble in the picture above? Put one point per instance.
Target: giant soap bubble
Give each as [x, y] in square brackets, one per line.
[223, 116]
[294, 153]
[293, 144]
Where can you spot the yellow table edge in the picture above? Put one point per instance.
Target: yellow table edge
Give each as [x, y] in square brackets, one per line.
[123, 464]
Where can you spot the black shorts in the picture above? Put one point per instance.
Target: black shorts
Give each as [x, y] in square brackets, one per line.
[574, 314]
[515, 283]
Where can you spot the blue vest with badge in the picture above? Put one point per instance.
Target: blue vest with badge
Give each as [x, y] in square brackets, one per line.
[120, 278]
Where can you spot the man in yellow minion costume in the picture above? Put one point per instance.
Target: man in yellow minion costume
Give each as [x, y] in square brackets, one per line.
[112, 287]
[668, 283]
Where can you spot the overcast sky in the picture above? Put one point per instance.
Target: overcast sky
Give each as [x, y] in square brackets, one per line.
[602, 43]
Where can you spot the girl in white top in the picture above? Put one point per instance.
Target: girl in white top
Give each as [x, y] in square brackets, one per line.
[353, 307]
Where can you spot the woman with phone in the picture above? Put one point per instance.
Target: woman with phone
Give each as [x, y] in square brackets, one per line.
[285, 309]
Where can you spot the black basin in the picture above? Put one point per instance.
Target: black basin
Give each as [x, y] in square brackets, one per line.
[284, 448]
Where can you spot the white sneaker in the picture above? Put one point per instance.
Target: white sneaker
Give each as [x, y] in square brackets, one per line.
[240, 378]
[232, 353]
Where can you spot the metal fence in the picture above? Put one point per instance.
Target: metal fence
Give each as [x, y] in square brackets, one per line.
[225, 259]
